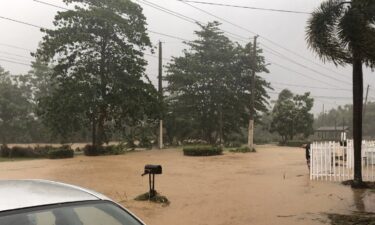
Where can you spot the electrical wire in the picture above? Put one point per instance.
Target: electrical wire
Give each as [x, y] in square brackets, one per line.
[247, 7]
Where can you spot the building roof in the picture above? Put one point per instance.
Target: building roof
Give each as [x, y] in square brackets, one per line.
[17, 194]
[337, 128]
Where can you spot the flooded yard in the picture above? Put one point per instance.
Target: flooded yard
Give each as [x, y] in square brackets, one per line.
[271, 186]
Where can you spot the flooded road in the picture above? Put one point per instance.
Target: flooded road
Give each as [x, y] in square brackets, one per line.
[269, 187]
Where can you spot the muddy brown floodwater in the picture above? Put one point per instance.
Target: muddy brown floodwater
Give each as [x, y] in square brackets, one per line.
[269, 187]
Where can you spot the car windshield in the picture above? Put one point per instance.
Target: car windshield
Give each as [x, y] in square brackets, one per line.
[98, 213]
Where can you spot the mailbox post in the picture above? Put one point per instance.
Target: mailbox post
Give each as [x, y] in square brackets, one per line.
[151, 170]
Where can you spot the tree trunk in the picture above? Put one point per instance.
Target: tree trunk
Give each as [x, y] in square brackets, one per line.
[101, 134]
[221, 125]
[357, 120]
[93, 131]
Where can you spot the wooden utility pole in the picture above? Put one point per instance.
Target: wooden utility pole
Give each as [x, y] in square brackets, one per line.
[161, 94]
[365, 105]
[253, 54]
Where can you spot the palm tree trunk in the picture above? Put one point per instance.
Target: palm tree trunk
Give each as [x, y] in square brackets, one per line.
[357, 120]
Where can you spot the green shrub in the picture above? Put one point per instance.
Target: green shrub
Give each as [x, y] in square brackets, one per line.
[298, 143]
[114, 150]
[244, 149]
[23, 152]
[4, 151]
[202, 151]
[91, 150]
[233, 144]
[145, 142]
[61, 153]
[36, 152]
[42, 151]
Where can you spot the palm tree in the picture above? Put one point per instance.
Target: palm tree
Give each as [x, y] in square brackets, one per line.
[343, 32]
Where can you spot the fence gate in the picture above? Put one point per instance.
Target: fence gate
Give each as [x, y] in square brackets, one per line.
[333, 162]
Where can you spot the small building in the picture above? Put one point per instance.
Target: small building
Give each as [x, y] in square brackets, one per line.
[330, 133]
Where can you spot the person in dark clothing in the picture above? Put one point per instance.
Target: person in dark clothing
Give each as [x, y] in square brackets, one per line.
[307, 149]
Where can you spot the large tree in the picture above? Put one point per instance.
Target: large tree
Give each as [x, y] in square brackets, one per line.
[343, 32]
[291, 115]
[15, 107]
[210, 87]
[96, 51]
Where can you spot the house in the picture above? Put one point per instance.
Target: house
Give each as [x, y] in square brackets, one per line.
[330, 133]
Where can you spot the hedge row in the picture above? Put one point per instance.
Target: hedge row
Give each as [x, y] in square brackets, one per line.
[91, 150]
[244, 149]
[295, 143]
[37, 152]
[202, 151]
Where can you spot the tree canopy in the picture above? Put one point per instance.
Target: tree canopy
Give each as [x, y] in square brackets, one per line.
[98, 69]
[291, 115]
[15, 108]
[210, 85]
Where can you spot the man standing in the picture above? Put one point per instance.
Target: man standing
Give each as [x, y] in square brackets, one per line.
[307, 149]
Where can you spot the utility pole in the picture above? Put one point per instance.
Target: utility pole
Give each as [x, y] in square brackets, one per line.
[365, 105]
[252, 102]
[161, 95]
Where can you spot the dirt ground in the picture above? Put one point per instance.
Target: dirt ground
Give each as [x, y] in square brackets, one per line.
[264, 188]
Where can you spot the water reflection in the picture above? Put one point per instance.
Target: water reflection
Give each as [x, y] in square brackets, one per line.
[364, 200]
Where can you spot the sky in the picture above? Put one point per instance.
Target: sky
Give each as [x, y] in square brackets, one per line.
[282, 36]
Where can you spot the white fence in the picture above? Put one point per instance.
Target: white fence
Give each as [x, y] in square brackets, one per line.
[332, 162]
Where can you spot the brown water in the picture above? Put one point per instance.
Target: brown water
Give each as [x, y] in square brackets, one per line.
[269, 187]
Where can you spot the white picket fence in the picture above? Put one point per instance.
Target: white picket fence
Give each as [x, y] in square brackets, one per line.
[331, 162]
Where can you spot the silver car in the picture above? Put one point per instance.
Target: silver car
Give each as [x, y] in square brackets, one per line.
[40, 202]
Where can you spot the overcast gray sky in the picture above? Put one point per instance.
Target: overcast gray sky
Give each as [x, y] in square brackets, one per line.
[285, 29]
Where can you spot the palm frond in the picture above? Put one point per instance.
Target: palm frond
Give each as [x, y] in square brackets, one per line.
[322, 33]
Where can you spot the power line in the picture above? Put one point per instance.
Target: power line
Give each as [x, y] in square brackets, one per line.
[21, 22]
[301, 74]
[266, 39]
[247, 7]
[50, 4]
[17, 60]
[12, 54]
[186, 18]
[243, 28]
[15, 47]
[312, 87]
[273, 52]
[320, 97]
[14, 62]
[168, 35]
[151, 31]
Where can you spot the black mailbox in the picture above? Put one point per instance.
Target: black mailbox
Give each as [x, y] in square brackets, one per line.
[153, 169]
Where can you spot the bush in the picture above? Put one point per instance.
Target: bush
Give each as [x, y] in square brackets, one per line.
[295, 143]
[114, 150]
[36, 152]
[23, 152]
[42, 151]
[245, 149]
[91, 150]
[4, 151]
[233, 144]
[145, 142]
[202, 151]
[61, 153]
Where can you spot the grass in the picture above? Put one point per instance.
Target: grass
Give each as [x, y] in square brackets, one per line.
[243, 149]
[6, 159]
[355, 219]
[156, 199]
